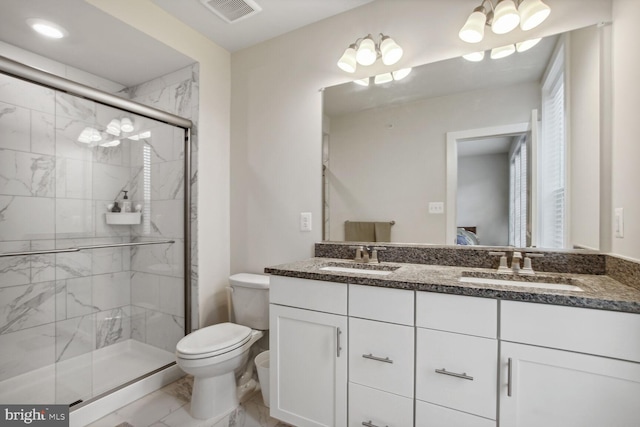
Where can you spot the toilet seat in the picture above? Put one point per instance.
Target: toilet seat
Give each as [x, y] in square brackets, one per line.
[213, 340]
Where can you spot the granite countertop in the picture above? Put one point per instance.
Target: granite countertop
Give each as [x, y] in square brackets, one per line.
[598, 291]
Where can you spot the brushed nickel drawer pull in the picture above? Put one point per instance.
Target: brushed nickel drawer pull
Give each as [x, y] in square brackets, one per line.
[338, 348]
[463, 375]
[376, 358]
[509, 376]
[370, 424]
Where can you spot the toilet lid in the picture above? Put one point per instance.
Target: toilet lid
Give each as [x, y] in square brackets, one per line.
[214, 339]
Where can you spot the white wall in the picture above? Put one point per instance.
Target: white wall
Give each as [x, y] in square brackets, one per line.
[625, 190]
[277, 110]
[212, 203]
[584, 136]
[483, 197]
[389, 163]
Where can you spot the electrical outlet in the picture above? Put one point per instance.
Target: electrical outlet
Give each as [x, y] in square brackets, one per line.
[305, 221]
[436, 207]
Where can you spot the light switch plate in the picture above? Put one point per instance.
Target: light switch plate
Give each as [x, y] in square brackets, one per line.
[305, 221]
[436, 207]
[619, 222]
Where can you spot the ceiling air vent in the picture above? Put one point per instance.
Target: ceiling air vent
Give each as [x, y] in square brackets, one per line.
[232, 10]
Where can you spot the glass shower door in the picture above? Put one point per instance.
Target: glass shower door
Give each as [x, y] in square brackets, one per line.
[89, 299]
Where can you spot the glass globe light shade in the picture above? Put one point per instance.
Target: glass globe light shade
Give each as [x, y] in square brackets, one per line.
[474, 56]
[347, 61]
[532, 13]
[390, 50]
[505, 17]
[383, 78]
[473, 29]
[527, 44]
[366, 54]
[502, 51]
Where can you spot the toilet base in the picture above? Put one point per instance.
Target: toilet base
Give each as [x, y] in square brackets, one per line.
[213, 396]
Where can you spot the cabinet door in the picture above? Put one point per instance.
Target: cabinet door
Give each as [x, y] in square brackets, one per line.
[308, 367]
[555, 388]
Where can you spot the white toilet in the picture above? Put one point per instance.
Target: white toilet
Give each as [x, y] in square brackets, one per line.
[213, 354]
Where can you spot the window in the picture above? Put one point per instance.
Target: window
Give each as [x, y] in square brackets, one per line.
[518, 193]
[552, 157]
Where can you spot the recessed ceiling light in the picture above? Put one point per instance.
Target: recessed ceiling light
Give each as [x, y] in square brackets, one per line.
[47, 28]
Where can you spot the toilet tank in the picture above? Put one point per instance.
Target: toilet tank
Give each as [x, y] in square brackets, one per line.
[250, 299]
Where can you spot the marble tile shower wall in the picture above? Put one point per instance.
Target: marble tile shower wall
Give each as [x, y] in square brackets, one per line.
[53, 194]
[158, 295]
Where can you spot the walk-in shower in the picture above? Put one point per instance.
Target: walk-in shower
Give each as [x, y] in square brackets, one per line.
[90, 299]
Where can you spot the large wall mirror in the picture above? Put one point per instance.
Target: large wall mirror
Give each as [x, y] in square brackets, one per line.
[462, 152]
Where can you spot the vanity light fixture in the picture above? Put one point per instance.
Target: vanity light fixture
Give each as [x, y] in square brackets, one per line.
[401, 73]
[365, 51]
[503, 51]
[385, 77]
[474, 56]
[503, 18]
[114, 127]
[527, 44]
[46, 28]
[126, 125]
[89, 135]
[113, 143]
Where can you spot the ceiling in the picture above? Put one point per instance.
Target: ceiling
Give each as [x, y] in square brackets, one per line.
[276, 18]
[100, 44]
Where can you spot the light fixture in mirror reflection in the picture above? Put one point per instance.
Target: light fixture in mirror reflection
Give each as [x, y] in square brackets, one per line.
[385, 148]
[112, 134]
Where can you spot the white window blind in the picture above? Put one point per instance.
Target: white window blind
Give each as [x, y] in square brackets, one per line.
[518, 194]
[552, 157]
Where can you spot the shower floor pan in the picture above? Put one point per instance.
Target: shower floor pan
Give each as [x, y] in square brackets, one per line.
[85, 376]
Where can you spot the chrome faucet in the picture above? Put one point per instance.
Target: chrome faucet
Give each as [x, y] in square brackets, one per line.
[515, 262]
[527, 269]
[367, 254]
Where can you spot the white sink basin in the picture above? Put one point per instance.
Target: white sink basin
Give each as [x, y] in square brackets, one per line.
[539, 285]
[356, 270]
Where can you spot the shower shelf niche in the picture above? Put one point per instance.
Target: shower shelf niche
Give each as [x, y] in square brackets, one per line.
[123, 218]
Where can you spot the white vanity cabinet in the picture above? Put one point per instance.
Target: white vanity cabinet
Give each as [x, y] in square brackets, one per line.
[381, 357]
[568, 367]
[456, 361]
[308, 351]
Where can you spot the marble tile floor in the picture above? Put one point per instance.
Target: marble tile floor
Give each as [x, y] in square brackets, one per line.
[169, 407]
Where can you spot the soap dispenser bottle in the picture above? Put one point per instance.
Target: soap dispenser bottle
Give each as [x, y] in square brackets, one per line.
[116, 207]
[126, 204]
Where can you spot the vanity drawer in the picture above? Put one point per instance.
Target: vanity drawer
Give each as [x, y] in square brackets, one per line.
[383, 304]
[457, 313]
[381, 356]
[378, 408]
[600, 332]
[457, 371]
[315, 295]
[429, 415]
